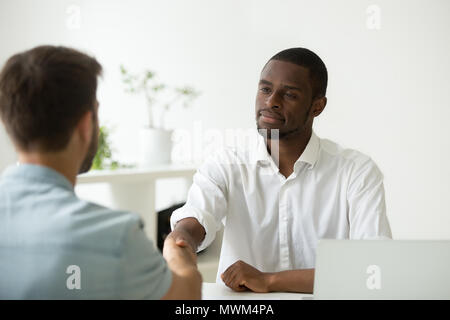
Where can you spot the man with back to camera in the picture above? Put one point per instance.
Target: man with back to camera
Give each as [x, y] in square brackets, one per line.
[47, 234]
[278, 202]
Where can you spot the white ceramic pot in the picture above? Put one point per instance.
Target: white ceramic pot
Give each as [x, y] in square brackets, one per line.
[155, 147]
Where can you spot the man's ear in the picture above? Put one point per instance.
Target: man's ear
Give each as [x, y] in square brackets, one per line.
[318, 106]
[85, 127]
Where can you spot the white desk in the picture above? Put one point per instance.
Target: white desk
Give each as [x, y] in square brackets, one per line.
[132, 190]
[214, 291]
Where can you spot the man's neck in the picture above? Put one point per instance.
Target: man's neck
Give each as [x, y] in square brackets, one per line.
[59, 162]
[289, 151]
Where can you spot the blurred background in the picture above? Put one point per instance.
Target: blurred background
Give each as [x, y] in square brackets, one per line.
[388, 92]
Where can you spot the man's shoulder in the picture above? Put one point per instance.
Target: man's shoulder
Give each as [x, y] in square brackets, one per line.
[68, 222]
[105, 226]
[95, 211]
[90, 228]
[348, 156]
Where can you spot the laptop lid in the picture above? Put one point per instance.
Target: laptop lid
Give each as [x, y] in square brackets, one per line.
[382, 269]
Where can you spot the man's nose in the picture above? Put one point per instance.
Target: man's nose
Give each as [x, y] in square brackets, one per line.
[273, 101]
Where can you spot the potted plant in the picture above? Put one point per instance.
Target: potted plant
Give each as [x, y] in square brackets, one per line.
[103, 159]
[156, 139]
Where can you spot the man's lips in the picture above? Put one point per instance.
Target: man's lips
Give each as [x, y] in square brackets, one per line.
[270, 117]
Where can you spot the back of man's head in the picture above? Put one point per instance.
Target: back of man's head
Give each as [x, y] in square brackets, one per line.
[44, 92]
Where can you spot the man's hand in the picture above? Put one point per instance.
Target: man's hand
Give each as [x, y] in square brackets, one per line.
[241, 276]
[179, 255]
[182, 261]
[189, 231]
[183, 239]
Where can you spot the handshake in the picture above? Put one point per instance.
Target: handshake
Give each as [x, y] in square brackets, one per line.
[179, 251]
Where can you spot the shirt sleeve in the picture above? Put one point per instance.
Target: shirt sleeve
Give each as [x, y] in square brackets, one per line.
[143, 271]
[367, 206]
[207, 198]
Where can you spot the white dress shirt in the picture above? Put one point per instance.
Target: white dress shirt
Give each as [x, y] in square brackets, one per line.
[274, 223]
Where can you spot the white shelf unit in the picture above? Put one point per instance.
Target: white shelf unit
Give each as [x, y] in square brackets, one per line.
[132, 190]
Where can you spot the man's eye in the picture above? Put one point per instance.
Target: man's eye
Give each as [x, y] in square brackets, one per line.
[290, 95]
[265, 90]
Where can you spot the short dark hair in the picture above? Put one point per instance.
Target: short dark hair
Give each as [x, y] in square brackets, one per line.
[306, 58]
[44, 92]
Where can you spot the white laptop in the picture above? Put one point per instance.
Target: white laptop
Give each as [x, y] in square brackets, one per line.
[382, 269]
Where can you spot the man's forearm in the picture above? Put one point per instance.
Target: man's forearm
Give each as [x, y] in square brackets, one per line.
[186, 284]
[292, 281]
[192, 230]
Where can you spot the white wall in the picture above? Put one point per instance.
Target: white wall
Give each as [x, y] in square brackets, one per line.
[388, 93]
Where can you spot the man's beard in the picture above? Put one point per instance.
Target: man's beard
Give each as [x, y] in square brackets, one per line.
[92, 151]
[277, 134]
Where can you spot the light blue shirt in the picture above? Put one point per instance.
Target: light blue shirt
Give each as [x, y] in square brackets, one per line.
[54, 245]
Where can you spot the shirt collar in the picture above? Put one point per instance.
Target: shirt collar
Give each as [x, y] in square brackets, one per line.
[32, 172]
[258, 152]
[309, 155]
[311, 152]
